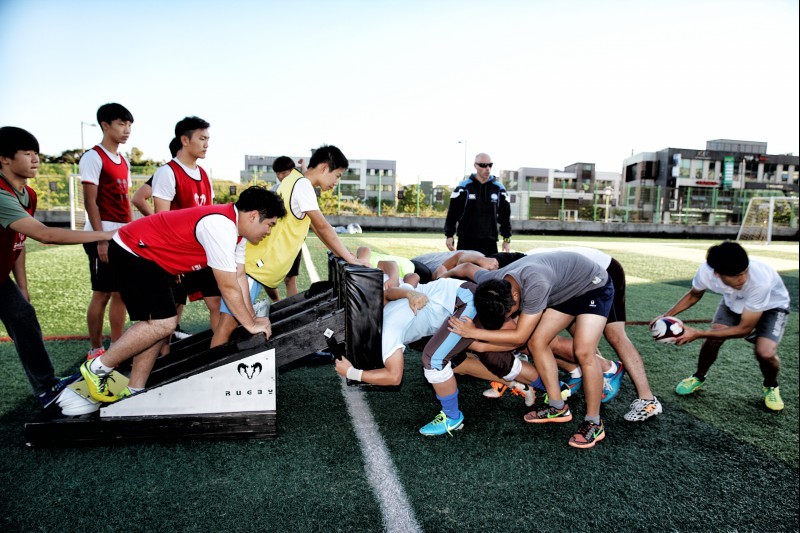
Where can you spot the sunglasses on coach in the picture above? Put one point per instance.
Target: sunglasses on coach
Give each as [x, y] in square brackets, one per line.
[485, 165]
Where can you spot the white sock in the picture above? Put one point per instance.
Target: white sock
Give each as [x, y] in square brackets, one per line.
[99, 368]
[135, 390]
[576, 373]
[612, 369]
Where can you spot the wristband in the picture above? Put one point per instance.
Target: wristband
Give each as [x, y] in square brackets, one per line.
[354, 374]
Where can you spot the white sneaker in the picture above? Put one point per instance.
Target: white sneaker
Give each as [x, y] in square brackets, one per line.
[641, 410]
[520, 389]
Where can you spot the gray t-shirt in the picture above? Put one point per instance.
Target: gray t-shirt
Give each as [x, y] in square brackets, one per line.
[433, 260]
[11, 208]
[549, 279]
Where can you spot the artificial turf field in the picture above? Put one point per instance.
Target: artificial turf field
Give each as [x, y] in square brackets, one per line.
[715, 461]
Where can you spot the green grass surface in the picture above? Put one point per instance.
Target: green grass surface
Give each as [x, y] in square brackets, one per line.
[713, 461]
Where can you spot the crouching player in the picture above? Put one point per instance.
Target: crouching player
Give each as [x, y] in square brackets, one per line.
[148, 253]
[416, 313]
[755, 305]
[549, 291]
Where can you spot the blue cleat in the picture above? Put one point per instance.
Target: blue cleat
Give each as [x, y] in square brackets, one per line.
[48, 397]
[575, 385]
[442, 425]
[612, 382]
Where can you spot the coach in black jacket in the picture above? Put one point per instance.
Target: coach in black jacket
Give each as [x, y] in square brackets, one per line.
[478, 204]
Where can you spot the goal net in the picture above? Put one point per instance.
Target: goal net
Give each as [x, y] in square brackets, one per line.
[77, 212]
[765, 214]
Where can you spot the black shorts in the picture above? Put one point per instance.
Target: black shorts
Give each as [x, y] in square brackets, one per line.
[100, 273]
[595, 302]
[617, 276]
[196, 285]
[145, 287]
[506, 258]
[424, 273]
[295, 270]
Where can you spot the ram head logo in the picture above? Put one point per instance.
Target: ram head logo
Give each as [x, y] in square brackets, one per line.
[249, 371]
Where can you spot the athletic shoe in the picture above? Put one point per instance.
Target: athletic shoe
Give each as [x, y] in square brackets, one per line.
[98, 386]
[180, 334]
[612, 382]
[641, 410]
[496, 390]
[588, 435]
[48, 397]
[94, 353]
[575, 384]
[441, 424]
[525, 391]
[772, 398]
[689, 385]
[124, 393]
[548, 413]
[566, 392]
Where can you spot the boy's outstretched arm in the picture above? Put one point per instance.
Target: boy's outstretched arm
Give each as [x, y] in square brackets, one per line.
[331, 240]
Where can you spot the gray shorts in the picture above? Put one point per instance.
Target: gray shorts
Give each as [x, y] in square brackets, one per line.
[771, 325]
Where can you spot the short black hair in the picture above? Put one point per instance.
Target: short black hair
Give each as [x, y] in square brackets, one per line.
[331, 155]
[188, 124]
[13, 139]
[727, 258]
[493, 301]
[108, 113]
[175, 145]
[267, 203]
[282, 164]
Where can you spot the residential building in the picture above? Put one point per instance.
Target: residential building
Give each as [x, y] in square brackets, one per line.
[365, 178]
[551, 193]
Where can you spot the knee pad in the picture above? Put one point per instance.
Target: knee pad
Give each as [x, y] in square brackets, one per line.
[439, 376]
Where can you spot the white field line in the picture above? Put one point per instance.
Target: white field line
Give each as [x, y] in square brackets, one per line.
[398, 515]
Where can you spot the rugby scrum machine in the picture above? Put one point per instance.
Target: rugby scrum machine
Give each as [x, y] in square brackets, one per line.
[230, 391]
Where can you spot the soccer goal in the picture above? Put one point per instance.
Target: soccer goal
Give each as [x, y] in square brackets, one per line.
[77, 213]
[764, 214]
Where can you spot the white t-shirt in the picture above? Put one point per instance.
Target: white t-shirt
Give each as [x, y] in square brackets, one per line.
[601, 258]
[401, 326]
[164, 180]
[89, 167]
[304, 198]
[763, 290]
[217, 234]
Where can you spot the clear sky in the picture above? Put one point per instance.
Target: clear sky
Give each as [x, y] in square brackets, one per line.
[542, 83]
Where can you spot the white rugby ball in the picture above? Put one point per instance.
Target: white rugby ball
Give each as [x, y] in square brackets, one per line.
[666, 329]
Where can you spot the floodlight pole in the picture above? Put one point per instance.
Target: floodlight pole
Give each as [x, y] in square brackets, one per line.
[82, 125]
[464, 173]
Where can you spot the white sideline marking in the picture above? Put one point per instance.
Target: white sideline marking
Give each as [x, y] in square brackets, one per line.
[381, 473]
[380, 470]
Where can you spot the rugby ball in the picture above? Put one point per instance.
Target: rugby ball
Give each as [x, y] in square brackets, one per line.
[666, 329]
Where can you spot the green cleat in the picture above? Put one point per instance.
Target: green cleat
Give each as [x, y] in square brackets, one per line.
[689, 385]
[772, 398]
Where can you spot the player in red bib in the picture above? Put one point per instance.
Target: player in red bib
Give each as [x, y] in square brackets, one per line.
[19, 162]
[181, 184]
[148, 253]
[106, 178]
